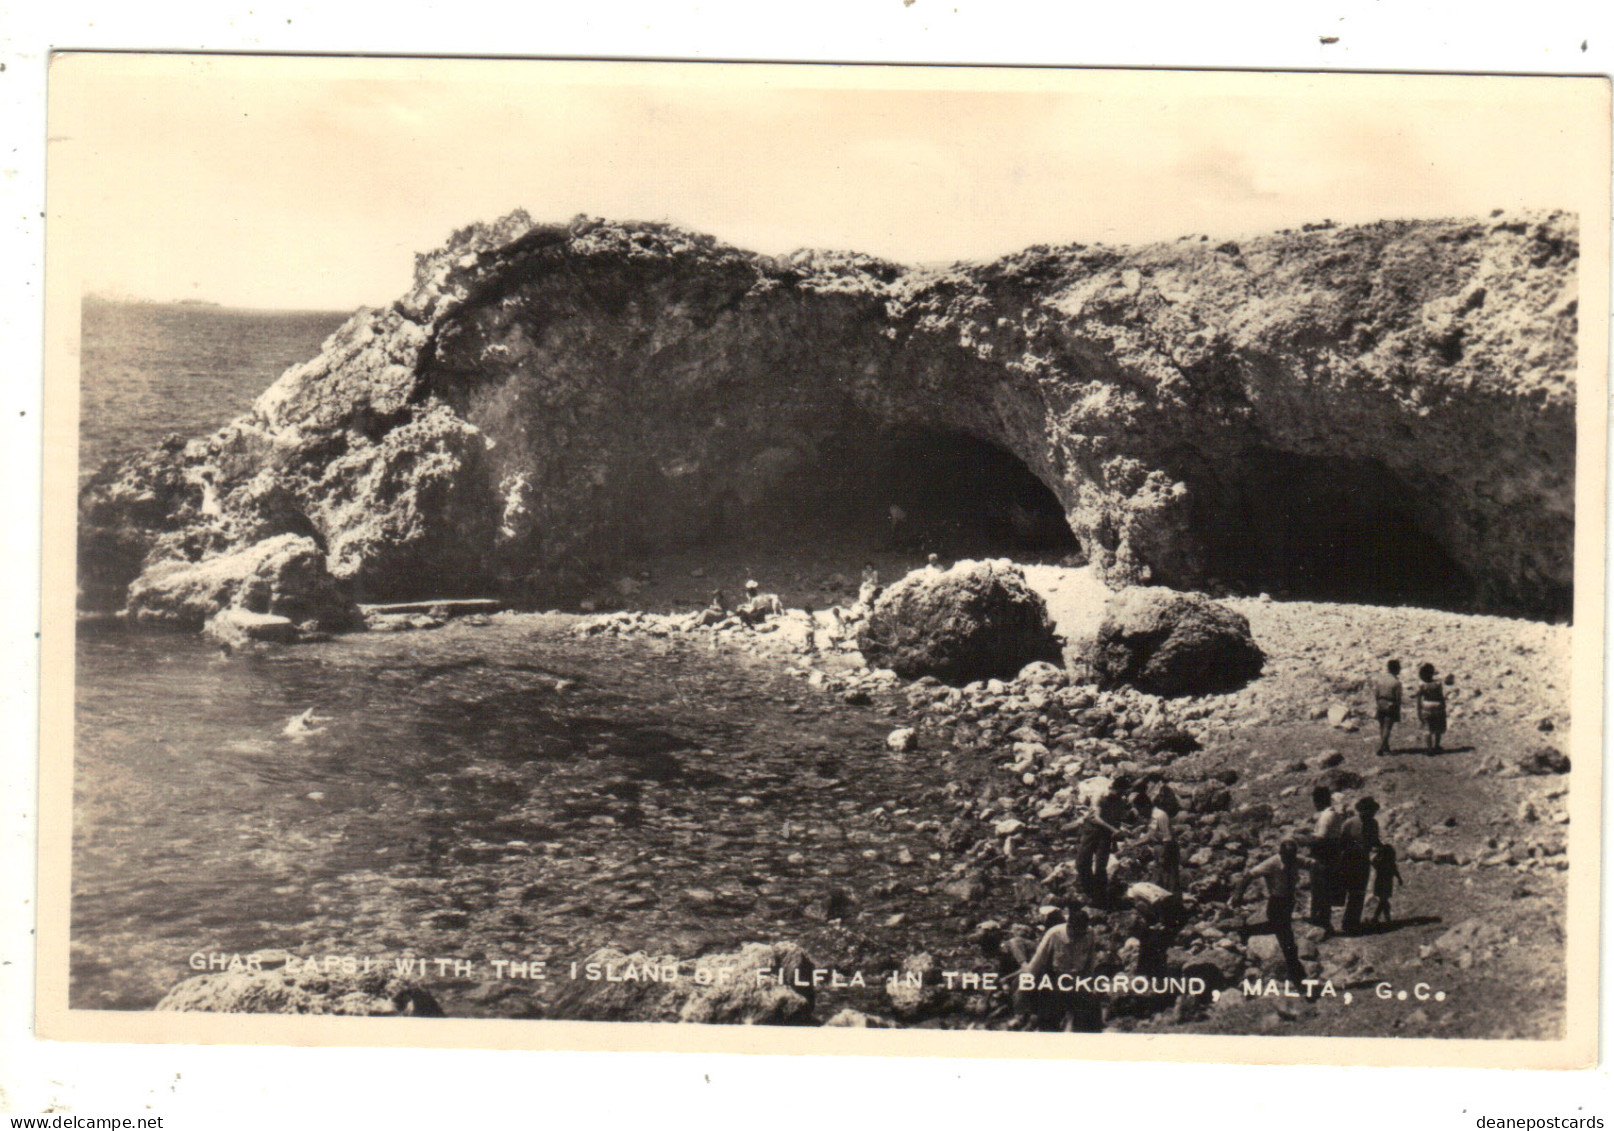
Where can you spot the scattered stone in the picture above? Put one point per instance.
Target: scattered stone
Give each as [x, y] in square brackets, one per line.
[1040, 673]
[1340, 780]
[713, 989]
[856, 1019]
[1256, 815]
[1218, 967]
[911, 1001]
[967, 890]
[1544, 760]
[902, 740]
[1210, 797]
[305, 989]
[1471, 935]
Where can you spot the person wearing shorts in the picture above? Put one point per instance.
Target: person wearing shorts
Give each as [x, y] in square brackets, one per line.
[1431, 706]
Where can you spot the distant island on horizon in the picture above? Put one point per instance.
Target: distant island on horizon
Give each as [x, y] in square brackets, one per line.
[98, 298]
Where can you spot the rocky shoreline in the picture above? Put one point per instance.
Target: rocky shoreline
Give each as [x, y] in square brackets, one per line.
[1034, 748]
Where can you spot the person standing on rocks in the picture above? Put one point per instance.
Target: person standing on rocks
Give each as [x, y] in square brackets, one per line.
[1385, 875]
[1065, 953]
[1095, 840]
[1431, 706]
[1167, 870]
[867, 591]
[1387, 702]
[1324, 847]
[1358, 840]
[1281, 875]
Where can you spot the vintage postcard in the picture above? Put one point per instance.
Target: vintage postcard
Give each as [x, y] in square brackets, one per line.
[826, 559]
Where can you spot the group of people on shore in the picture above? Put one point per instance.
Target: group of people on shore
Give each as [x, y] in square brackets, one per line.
[1343, 857]
[1430, 700]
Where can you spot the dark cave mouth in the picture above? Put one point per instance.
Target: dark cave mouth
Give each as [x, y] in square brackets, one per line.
[916, 491]
[1317, 528]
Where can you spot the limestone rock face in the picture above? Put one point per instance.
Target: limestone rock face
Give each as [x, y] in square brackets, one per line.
[977, 620]
[283, 576]
[1384, 411]
[1169, 643]
[373, 994]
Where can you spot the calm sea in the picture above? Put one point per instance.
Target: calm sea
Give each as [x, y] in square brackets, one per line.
[474, 792]
[150, 369]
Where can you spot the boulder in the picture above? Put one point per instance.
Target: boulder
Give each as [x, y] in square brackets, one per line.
[303, 989]
[1218, 967]
[282, 576]
[726, 989]
[1210, 797]
[1340, 780]
[236, 628]
[856, 1019]
[1544, 760]
[1471, 935]
[1172, 644]
[719, 989]
[1040, 673]
[975, 621]
[915, 991]
[1264, 952]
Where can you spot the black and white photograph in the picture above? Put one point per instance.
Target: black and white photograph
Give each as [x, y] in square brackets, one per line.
[1019, 562]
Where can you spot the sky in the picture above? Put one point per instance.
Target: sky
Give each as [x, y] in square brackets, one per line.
[310, 183]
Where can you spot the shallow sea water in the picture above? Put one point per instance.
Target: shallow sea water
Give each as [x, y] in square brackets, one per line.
[476, 792]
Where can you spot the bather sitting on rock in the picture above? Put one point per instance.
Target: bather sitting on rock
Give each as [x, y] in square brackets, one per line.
[758, 607]
[716, 612]
[867, 591]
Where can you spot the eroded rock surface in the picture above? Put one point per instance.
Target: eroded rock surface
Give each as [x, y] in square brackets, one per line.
[284, 576]
[1286, 413]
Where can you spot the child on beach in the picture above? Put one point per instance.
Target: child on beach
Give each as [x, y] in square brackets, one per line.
[1385, 874]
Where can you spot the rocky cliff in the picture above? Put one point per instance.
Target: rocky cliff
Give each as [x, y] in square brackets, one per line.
[1381, 412]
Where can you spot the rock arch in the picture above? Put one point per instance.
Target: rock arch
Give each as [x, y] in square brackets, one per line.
[550, 397]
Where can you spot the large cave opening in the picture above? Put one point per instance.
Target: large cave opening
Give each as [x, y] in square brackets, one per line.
[1322, 528]
[917, 491]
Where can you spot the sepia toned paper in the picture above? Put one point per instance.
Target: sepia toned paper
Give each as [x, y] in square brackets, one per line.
[189, 182]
